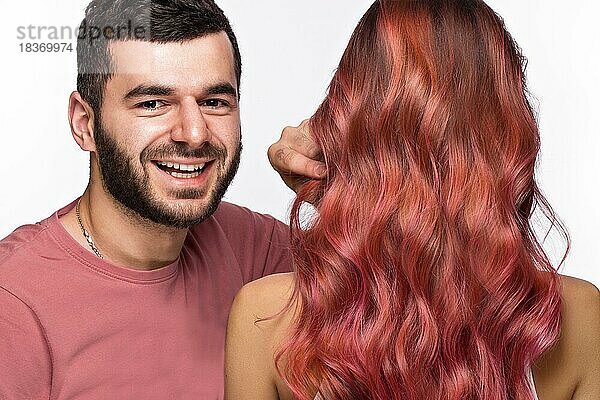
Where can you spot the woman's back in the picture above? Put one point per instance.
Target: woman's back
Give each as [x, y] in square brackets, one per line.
[570, 369]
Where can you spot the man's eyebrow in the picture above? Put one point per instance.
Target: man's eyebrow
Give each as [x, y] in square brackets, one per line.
[149, 90]
[221, 88]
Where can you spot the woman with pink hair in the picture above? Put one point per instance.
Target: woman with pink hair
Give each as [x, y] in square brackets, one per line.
[420, 276]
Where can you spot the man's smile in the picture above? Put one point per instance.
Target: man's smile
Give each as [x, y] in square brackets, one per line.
[193, 172]
[181, 170]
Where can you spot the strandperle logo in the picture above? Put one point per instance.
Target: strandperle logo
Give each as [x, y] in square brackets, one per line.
[81, 32]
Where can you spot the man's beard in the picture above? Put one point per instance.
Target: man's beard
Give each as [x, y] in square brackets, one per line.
[129, 184]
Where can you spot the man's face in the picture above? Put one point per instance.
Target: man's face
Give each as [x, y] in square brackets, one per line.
[168, 140]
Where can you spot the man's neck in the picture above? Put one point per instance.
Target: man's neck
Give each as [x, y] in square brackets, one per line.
[123, 238]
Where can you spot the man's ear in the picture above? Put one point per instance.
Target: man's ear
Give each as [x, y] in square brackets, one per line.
[81, 120]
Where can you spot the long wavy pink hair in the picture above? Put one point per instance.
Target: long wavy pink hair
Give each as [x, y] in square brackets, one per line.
[421, 276]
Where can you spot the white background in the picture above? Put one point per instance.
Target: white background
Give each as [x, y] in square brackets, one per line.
[290, 49]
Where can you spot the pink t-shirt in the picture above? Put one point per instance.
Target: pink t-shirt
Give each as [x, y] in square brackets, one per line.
[73, 326]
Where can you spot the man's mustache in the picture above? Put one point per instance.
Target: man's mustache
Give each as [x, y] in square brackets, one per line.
[208, 150]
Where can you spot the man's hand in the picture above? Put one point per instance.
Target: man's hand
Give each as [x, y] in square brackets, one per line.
[295, 156]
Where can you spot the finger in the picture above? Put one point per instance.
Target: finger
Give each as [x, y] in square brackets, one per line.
[288, 161]
[300, 139]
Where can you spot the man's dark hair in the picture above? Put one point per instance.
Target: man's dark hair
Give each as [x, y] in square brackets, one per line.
[159, 21]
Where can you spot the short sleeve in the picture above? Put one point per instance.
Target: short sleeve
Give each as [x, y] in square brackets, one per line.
[25, 361]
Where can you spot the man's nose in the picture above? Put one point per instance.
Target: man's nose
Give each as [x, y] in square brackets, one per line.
[192, 128]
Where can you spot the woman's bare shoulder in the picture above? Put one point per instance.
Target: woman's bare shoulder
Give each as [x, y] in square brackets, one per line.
[257, 318]
[261, 306]
[268, 294]
[571, 367]
[580, 292]
[580, 328]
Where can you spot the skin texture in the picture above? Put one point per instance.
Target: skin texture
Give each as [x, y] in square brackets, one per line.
[568, 370]
[192, 117]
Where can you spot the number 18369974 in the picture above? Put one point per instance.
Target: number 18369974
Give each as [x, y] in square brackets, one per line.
[51, 47]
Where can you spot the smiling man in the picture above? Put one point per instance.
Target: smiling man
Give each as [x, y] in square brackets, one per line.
[125, 292]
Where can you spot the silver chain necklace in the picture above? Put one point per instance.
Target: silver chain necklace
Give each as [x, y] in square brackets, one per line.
[86, 234]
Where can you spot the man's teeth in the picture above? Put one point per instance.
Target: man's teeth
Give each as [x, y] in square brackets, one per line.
[183, 167]
[185, 176]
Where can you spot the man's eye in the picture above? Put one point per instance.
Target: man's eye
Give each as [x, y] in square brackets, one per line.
[215, 103]
[151, 104]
